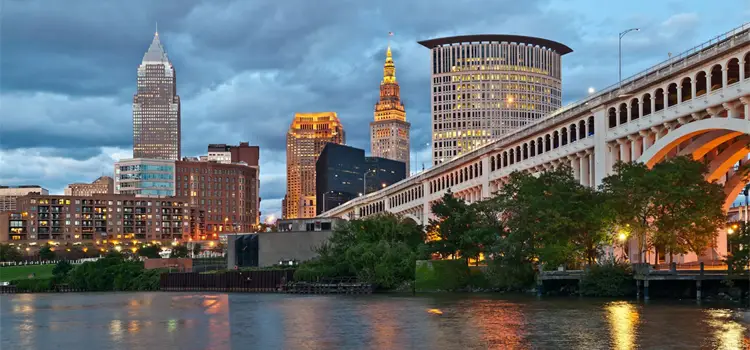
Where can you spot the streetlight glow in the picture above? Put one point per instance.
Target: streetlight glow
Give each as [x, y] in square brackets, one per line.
[622, 236]
[730, 231]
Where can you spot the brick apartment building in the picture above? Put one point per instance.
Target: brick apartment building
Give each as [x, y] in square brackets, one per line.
[66, 219]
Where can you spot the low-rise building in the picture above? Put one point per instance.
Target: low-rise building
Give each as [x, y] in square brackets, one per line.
[8, 195]
[295, 241]
[102, 185]
[64, 219]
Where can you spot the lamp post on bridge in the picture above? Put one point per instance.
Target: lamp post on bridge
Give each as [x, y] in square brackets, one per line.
[619, 53]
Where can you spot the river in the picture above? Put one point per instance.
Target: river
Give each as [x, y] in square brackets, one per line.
[275, 321]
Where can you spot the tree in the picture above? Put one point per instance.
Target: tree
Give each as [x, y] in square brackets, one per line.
[61, 268]
[552, 218]
[454, 221]
[150, 251]
[739, 251]
[196, 248]
[46, 253]
[9, 253]
[380, 249]
[179, 251]
[670, 206]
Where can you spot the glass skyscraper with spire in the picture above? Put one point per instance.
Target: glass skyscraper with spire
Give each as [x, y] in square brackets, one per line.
[156, 107]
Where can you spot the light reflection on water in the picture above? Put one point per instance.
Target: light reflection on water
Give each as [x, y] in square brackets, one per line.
[272, 321]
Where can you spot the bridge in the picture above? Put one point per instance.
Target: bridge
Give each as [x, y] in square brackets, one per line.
[696, 103]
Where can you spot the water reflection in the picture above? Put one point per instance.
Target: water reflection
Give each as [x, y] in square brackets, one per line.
[263, 321]
[623, 323]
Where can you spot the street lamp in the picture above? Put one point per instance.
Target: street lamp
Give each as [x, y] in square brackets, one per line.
[364, 180]
[619, 52]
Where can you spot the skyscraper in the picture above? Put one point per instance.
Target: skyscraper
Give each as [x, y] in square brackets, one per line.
[389, 133]
[308, 134]
[487, 86]
[156, 107]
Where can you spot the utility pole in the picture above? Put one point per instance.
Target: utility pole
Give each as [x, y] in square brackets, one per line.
[619, 53]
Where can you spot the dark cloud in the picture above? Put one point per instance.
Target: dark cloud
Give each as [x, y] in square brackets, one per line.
[245, 67]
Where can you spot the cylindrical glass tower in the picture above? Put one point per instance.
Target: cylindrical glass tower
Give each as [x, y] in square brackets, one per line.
[486, 86]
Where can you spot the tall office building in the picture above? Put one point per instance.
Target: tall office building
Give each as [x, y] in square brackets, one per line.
[307, 135]
[145, 177]
[389, 133]
[487, 86]
[156, 107]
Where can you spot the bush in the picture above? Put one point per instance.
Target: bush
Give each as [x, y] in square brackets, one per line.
[610, 279]
[441, 275]
[61, 269]
[46, 253]
[34, 285]
[509, 276]
[151, 252]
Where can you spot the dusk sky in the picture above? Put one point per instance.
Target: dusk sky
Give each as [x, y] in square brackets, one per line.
[68, 68]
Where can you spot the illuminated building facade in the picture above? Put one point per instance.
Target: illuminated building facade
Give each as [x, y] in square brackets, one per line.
[102, 185]
[227, 193]
[307, 135]
[9, 195]
[99, 218]
[389, 132]
[486, 86]
[145, 177]
[156, 107]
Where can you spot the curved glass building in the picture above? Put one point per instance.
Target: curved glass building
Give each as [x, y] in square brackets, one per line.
[486, 86]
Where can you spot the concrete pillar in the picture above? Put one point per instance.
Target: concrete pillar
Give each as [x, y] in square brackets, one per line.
[640, 107]
[601, 168]
[708, 82]
[666, 97]
[645, 289]
[624, 150]
[746, 106]
[592, 174]
[693, 87]
[583, 164]
[724, 76]
[742, 70]
[485, 189]
[636, 144]
[653, 102]
[575, 164]
[679, 94]
[646, 139]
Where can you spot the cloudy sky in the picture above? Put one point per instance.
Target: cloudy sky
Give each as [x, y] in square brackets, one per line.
[244, 67]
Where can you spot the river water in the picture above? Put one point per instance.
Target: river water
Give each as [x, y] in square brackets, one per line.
[163, 320]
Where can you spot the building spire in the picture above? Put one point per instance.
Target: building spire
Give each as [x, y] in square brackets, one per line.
[156, 32]
[156, 52]
[389, 69]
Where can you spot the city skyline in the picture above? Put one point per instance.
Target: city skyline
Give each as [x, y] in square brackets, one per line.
[80, 93]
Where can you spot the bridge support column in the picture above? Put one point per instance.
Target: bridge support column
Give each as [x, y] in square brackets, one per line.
[746, 104]
[646, 140]
[575, 164]
[645, 289]
[636, 144]
[601, 166]
[583, 171]
[624, 150]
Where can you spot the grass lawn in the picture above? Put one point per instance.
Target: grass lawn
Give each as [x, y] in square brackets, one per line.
[21, 272]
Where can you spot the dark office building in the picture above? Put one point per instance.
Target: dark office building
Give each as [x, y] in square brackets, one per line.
[343, 172]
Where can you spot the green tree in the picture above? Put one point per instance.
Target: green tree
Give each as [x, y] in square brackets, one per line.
[739, 248]
[46, 253]
[670, 206]
[179, 251]
[454, 220]
[9, 253]
[380, 249]
[196, 248]
[150, 251]
[61, 269]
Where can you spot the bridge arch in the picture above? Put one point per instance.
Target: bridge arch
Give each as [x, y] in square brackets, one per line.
[664, 145]
[413, 217]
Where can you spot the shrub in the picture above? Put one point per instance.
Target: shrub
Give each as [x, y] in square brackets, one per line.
[33, 285]
[441, 275]
[61, 269]
[609, 279]
[509, 276]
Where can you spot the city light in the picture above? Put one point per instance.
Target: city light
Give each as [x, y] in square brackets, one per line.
[622, 236]
[730, 231]
[591, 90]
[118, 248]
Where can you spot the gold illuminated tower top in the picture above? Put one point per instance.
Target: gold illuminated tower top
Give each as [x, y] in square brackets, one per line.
[389, 132]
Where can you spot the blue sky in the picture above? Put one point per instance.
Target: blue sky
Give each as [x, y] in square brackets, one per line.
[68, 69]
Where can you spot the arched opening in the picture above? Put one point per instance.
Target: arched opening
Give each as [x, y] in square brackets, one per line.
[564, 136]
[547, 143]
[555, 139]
[671, 95]
[539, 145]
[700, 84]
[582, 129]
[492, 164]
[612, 117]
[512, 156]
[573, 133]
[460, 176]
[532, 148]
[634, 109]
[646, 104]
[659, 100]
[525, 151]
[747, 66]
[733, 71]
[716, 78]
[476, 170]
[623, 112]
[590, 128]
[518, 153]
[687, 89]
[505, 159]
